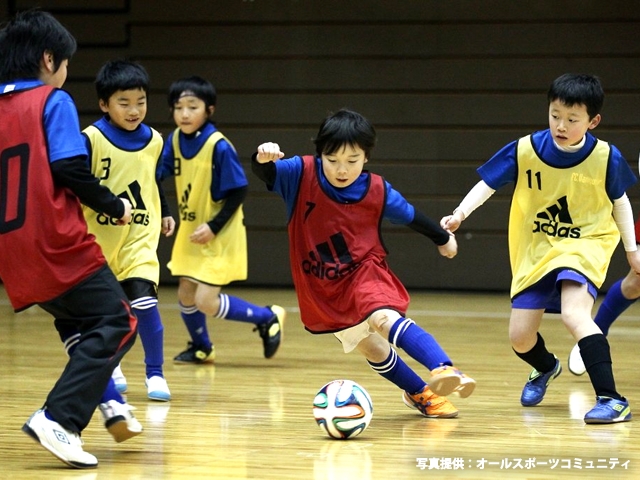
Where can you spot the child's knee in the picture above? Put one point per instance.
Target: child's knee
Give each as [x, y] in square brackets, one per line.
[382, 320]
[522, 340]
[207, 303]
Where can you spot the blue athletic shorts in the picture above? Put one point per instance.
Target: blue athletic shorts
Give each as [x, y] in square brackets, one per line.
[546, 292]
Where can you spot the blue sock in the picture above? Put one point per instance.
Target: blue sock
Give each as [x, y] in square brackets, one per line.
[420, 345]
[196, 323]
[111, 393]
[613, 305]
[151, 333]
[234, 308]
[396, 371]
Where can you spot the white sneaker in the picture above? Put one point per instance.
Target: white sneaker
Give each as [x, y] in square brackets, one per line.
[575, 363]
[119, 379]
[157, 389]
[119, 420]
[65, 445]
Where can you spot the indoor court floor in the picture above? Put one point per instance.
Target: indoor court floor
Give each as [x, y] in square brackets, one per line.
[246, 417]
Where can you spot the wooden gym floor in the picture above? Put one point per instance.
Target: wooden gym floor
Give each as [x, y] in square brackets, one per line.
[247, 417]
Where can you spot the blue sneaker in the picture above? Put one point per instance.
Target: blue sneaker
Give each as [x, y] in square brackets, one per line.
[534, 390]
[609, 410]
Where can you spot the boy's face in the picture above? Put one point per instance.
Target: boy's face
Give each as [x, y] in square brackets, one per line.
[190, 113]
[126, 108]
[568, 124]
[343, 166]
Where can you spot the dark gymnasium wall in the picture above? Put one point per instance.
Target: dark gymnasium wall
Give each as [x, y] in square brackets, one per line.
[446, 83]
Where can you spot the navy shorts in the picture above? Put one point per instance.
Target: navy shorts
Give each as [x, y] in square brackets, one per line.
[546, 292]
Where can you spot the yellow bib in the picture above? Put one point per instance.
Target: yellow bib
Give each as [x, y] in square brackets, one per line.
[560, 218]
[131, 250]
[223, 259]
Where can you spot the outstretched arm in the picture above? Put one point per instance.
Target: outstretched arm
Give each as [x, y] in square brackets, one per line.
[479, 194]
[446, 242]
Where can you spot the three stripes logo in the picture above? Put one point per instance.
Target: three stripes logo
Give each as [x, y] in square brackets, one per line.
[549, 221]
[330, 259]
[133, 195]
[140, 215]
[186, 215]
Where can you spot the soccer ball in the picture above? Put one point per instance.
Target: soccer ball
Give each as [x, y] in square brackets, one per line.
[342, 409]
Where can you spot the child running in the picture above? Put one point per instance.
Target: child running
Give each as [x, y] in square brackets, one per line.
[124, 155]
[342, 280]
[210, 249]
[568, 211]
[48, 257]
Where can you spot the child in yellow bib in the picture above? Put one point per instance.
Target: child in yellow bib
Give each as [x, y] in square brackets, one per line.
[124, 155]
[568, 212]
[210, 250]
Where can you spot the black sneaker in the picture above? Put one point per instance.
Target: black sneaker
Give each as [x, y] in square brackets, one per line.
[196, 354]
[271, 331]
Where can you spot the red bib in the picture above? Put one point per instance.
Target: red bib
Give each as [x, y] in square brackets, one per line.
[338, 258]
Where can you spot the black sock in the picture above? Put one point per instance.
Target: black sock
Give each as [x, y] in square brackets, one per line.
[596, 356]
[539, 357]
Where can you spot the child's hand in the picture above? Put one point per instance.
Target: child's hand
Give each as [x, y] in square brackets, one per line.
[126, 218]
[452, 222]
[168, 226]
[449, 249]
[202, 234]
[634, 261]
[269, 152]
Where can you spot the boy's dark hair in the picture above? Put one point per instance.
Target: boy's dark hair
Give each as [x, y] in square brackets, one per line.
[195, 86]
[578, 89]
[25, 38]
[345, 127]
[120, 75]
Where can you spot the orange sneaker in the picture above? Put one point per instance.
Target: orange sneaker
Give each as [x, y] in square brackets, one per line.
[446, 380]
[429, 404]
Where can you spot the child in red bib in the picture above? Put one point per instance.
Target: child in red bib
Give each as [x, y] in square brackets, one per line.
[343, 282]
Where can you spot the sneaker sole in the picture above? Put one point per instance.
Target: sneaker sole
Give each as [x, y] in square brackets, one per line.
[599, 421]
[120, 432]
[29, 431]
[199, 362]
[444, 384]
[196, 361]
[577, 373]
[281, 313]
[409, 403]
[121, 387]
[447, 415]
[159, 396]
[466, 388]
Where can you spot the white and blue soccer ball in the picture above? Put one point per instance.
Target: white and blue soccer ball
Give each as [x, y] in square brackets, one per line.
[342, 409]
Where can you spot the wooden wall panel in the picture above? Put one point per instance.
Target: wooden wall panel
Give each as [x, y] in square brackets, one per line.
[404, 40]
[446, 84]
